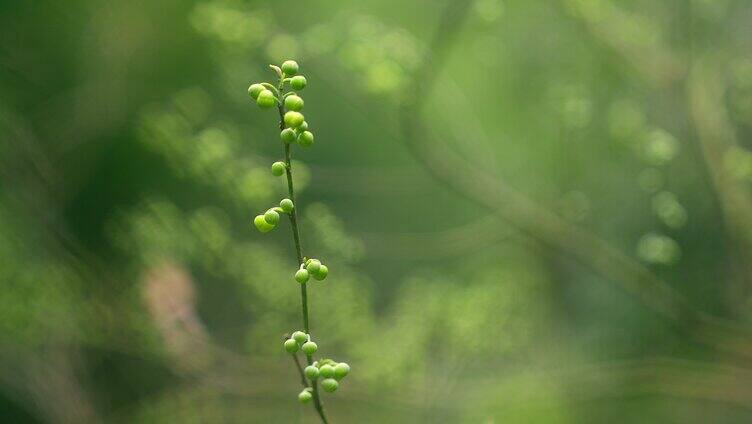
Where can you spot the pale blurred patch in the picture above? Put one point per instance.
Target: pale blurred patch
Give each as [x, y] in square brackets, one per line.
[659, 147]
[231, 22]
[658, 249]
[489, 11]
[667, 207]
[170, 298]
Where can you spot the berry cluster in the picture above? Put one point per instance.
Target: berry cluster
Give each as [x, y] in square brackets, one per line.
[311, 267]
[266, 96]
[330, 371]
[300, 340]
[268, 220]
[294, 129]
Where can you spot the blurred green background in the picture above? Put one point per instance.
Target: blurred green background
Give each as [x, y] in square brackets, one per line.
[531, 211]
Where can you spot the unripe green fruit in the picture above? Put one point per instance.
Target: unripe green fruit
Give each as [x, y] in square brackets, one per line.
[293, 102]
[303, 126]
[254, 90]
[260, 222]
[311, 372]
[288, 135]
[309, 348]
[341, 370]
[278, 168]
[329, 385]
[271, 217]
[266, 99]
[298, 82]
[300, 337]
[305, 396]
[305, 139]
[286, 205]
[290, 67]
[313, 265]
[291, 346]
[327, 371]
[294, 119]
[321, 273]
[302, 276]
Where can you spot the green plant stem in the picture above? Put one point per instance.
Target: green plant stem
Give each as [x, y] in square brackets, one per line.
[300, 370]
[296, 232]
[299, 251]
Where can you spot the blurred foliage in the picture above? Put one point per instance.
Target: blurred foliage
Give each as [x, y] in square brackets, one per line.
[134, 289]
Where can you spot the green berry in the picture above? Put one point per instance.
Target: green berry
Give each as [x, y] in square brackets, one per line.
[293, 119]
[327, 371]
[291, 346]
[302, 276]
[288, 135]
[309, 348]
[303, 126]
[260, 222]
[293, 102]
[300, 336]
[278, 168]
[286, 205]
[271, 217]
[311, 372]
[341, 370]
[313, 265]
[329, 384]
[321, 273]
[298, 82]
[290, 67]
[305, 396]
[266, 99]
[254, 90]
[305, 139]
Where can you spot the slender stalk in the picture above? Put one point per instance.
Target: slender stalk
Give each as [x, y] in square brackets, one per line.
[299, 251]
[300, 370]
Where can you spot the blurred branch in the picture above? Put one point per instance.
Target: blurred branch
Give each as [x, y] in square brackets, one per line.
[634, 39]
[717, 138]
[631, 36]
[492, 193]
